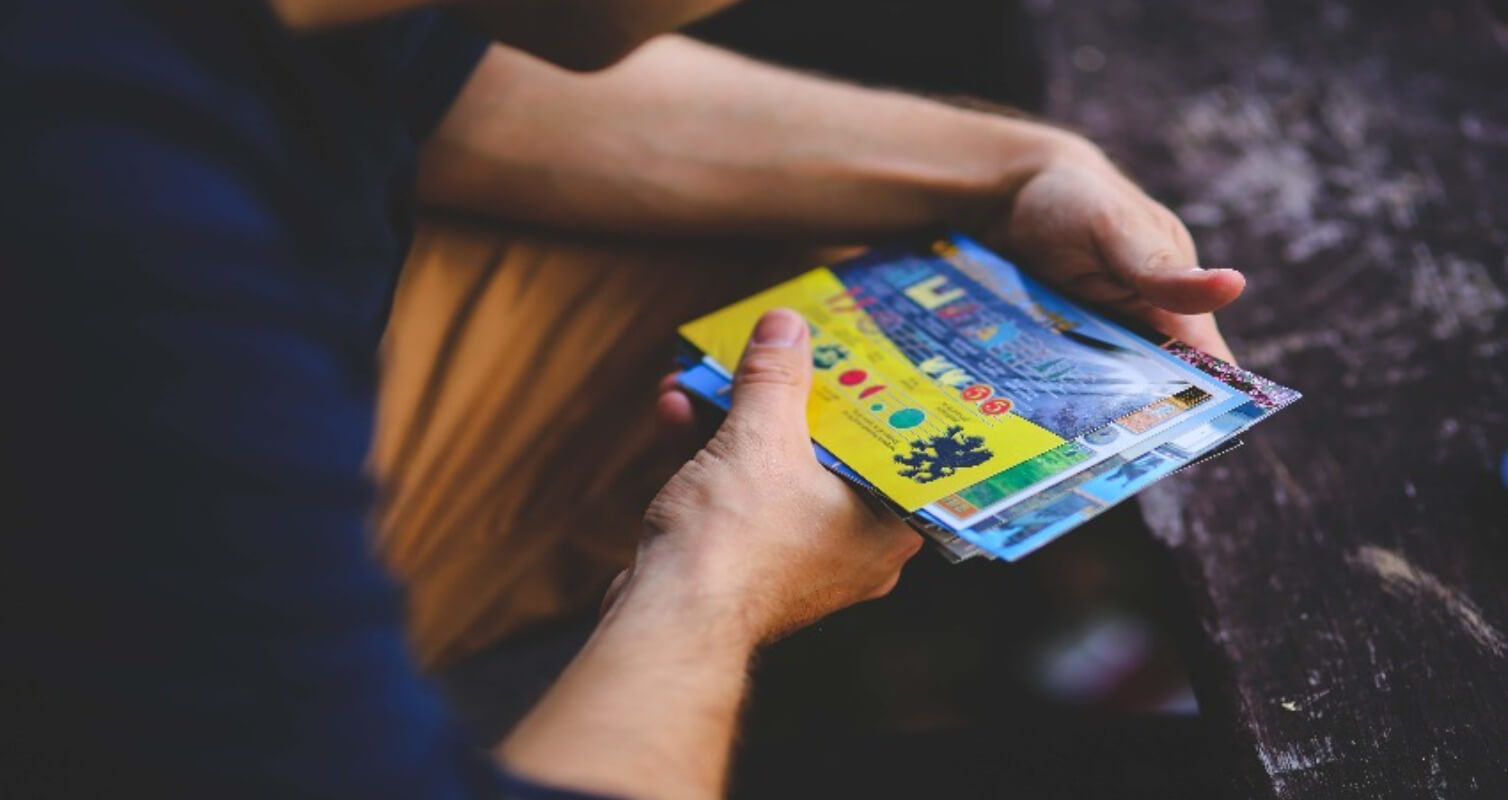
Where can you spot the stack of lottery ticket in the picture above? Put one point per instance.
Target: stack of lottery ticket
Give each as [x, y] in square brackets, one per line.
[990, 411]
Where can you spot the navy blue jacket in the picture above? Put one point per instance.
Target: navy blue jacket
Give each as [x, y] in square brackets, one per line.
[201, 221]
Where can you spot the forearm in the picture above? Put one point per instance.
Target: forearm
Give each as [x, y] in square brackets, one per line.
[648, 708]
[685, 138]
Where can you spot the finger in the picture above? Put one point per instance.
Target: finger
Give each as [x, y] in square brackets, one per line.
[668, 383]
[675, 417]
[1197, 330]
[679, 423]
[674, 413]
[1155, 256]
[1190, 290]
[773, 380]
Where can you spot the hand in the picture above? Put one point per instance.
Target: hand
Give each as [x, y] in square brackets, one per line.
[1081, 225]
[752, 526]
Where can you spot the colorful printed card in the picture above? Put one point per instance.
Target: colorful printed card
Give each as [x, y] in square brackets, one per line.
[961, 390]
[872, 405]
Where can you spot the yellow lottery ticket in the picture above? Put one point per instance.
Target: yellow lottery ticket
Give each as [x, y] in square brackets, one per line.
[874, 408]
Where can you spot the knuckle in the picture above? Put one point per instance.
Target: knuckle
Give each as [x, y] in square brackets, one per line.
[736, 446]
[1176, 231]
[711, 457]
[768, 368]
[1157, 259]
[1185, 241]
[748, 458]
[663, 514]
[723, 446]
[1105, 218]
[910, 545]
[886, 587]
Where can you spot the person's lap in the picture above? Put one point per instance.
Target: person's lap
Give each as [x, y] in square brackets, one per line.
[515, 448]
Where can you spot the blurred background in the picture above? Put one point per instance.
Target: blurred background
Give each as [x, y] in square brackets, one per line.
[1352, 158]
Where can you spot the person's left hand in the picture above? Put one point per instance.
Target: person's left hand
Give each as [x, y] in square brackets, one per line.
[752, 530]
[1082, 226]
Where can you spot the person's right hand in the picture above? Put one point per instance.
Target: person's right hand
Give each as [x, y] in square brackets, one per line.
[1081, 225]
[752, 527]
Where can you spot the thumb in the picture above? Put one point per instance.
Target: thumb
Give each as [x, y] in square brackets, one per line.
[773, 379]
[1188, 289]
[1158, 261]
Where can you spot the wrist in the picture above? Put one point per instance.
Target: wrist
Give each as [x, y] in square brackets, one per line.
[657, 599]
[651, 700]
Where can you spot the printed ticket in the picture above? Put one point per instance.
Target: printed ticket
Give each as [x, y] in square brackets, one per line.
[995, 411]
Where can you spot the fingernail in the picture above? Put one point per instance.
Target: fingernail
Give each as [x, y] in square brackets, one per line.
[779, 328]
[1197, 271]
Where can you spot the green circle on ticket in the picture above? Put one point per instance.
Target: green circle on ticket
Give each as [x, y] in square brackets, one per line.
[907, 418]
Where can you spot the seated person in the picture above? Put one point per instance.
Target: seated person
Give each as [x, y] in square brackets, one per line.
[207, 207]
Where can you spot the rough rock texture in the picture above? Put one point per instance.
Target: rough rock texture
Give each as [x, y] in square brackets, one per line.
[1348, 565]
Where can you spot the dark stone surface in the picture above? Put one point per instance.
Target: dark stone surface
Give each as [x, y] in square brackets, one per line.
[1348, 564]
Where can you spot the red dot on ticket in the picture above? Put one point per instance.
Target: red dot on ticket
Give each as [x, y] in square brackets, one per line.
[999, 405]
[977, 392]
[853, 377]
